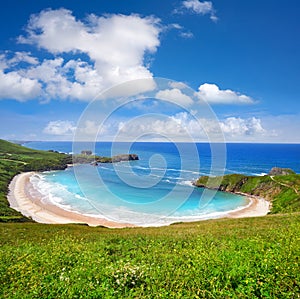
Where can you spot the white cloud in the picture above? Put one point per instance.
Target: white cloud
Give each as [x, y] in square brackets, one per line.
[115, 44]
[89, 128]
[60, 127]
[186, 34]
[18, 87]
[83, 83]
[10, 59]
[174, 95]
[116, 49]
[199, 7]
[23, 57]
[182, 32]
[179, 85]
[236, 126]
[182, 126]
[13, 84]
[211, 93]
[148, 126]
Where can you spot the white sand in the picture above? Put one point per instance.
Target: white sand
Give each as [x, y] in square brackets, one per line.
[21, 200]
[258, 207]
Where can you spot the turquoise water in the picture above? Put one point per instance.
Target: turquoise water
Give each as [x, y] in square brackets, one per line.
[157, 189]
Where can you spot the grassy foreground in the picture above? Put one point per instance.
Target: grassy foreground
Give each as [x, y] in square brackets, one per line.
[225, 258]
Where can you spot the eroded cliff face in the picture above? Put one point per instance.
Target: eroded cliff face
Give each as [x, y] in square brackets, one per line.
[283, 190]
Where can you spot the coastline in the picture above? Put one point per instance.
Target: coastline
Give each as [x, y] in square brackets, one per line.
[21, 200]
[257, 207]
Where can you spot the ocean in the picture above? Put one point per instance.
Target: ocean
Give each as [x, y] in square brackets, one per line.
[157, 189]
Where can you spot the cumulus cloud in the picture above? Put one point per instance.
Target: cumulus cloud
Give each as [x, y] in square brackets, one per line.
[211, 93]
[22, 57]
[74, 79]
[182, 126]
[116, 44]
[174, 95]
[15, 86]
[236, 126]
[60, 127]
[10, 59]
[151, 125]
[199, 7]
[112, 49]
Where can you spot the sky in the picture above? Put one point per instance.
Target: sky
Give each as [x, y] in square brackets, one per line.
[239, 58]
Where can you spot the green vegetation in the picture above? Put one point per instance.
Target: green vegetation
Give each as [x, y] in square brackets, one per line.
[14, 159]
[225, 258]
[93, 159]
[282, 190]
[82, 158]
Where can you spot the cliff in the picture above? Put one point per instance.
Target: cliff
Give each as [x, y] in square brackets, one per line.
[283, 191]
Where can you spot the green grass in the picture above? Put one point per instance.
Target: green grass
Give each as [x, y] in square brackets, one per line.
[15, 159]
[225, 258]
[237, 258]
[282, 190]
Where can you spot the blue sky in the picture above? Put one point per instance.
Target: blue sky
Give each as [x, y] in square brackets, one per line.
[241, 57]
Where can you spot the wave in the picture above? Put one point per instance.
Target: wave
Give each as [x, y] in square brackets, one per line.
[122, 214]
[59, 188]
[49, 192]
[162, 169]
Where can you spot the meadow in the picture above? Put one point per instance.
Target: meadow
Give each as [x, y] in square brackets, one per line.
[225, 258]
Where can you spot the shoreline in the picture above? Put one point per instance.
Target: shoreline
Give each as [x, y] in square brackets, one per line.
[257, 207]
[21, 200]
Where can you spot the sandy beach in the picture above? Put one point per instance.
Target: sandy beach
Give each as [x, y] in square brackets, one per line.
[32, 206]
[20, 200]
[258, 207]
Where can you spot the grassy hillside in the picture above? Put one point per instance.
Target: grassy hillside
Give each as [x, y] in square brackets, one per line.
[225, 258]
[14, 159]
[282, 190]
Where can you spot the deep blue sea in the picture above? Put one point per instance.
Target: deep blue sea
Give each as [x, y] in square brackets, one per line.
[157, 189]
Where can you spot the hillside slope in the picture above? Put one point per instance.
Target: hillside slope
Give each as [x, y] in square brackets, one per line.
[14, 159]
[282, 190]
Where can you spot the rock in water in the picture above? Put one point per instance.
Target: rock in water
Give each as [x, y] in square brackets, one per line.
[125, 157]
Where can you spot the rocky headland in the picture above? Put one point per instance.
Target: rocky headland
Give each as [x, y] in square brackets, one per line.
[281, 187]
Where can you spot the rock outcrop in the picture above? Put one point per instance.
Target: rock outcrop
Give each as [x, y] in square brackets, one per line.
[124, 157]
[281, 171]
